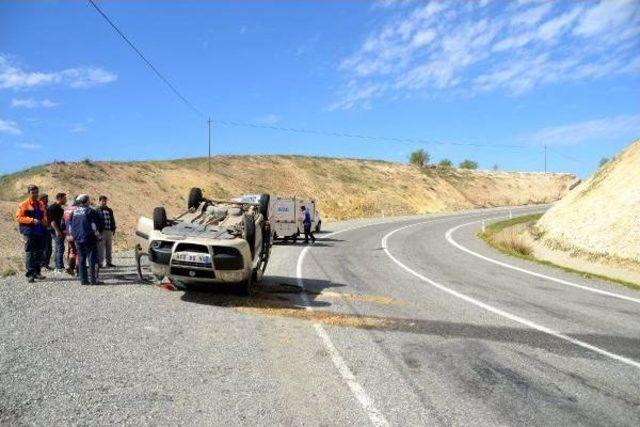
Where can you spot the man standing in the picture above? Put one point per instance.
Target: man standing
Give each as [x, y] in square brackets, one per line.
[71, 247]
[55, 212]
[32, 219]
[108, 233]
[84, 232]
[47, 249]
[306, 223]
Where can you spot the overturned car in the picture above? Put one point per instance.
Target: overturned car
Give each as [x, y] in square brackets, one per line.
[213, 241]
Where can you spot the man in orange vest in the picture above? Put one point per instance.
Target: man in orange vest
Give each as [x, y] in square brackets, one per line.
[32, 219]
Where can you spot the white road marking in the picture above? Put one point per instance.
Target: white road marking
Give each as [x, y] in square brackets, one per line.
[375, 416]
[500, 312]
[532, 273]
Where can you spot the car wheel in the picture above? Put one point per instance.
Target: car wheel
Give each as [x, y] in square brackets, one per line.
[195, 198]
[159, 218]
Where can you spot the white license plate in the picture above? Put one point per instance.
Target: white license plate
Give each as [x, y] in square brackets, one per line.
[196, 257]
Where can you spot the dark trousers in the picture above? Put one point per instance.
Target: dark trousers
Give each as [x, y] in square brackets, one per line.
[47, 249]
[308, 233]
[59, 251]
[33, 247]
[87, 252]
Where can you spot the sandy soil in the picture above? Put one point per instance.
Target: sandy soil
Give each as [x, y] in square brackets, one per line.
[600, 218]
[344, 188]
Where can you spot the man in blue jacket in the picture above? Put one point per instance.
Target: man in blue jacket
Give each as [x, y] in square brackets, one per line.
[83, 227]
[306, 224]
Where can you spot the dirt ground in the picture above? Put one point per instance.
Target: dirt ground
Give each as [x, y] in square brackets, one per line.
[344, 188]
[600, 218]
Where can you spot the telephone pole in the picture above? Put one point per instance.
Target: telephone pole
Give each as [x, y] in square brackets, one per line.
[209, 123]
[545, 158]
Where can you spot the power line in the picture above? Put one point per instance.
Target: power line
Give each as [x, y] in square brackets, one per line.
[149, 64]
[282, 128]
[360, 136]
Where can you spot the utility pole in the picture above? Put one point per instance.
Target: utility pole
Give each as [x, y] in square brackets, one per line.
[209, 123]
[545, 158]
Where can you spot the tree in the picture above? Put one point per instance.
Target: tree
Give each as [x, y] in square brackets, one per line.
[445, 163]
[468, 164]
[604, 161]
[419, 158]
[495, 167]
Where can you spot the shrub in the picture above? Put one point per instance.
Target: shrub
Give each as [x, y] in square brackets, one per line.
[445, 163]
[604, 161]
[513, 241]
[419, 158]
[9, 271]
[468, 164]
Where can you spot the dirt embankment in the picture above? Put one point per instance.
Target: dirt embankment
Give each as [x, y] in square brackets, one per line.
[344, 188]
[600, 219]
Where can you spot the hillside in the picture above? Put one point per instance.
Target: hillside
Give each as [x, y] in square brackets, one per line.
[344, 188]
[601, 217]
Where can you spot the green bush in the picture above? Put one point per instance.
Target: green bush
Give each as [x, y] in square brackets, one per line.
[445, 163]
[468, 164]
[419, 158]
[9, 271]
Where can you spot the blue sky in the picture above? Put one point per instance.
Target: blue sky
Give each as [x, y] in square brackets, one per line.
[529, 73]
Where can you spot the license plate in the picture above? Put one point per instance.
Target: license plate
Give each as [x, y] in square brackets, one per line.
[195, 257]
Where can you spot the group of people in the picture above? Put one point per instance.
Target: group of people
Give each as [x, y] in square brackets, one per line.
[85, 233]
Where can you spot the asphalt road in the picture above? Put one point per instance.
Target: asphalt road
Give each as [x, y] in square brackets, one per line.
[385, 322]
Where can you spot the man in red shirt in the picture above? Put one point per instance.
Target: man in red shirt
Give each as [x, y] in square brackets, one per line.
[32, 219]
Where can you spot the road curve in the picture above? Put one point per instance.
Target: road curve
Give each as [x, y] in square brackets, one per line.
[400, 323]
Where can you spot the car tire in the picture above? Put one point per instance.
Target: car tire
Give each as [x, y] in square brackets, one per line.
[264, 205]
[249, 234]
[318, 225]
[159, 218]
[195, 198]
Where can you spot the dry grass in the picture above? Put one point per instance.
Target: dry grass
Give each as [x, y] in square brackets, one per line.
[512, 240]
[344, 188]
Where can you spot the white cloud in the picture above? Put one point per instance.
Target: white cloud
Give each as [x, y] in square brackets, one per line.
[554, 27]
[14, 77]
[10, 127]
[443, 47]
[603, 129]
[29, 146]
[608, 15]
[32, 103]
[78, 128]
[269, 119]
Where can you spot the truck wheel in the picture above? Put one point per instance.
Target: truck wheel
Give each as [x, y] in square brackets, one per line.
[195, 198]
[318, 226]
[264, 205]
[249, 233]
[159, 218]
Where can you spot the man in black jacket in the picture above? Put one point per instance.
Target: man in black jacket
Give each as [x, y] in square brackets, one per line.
[108, 231]
[55, 212]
